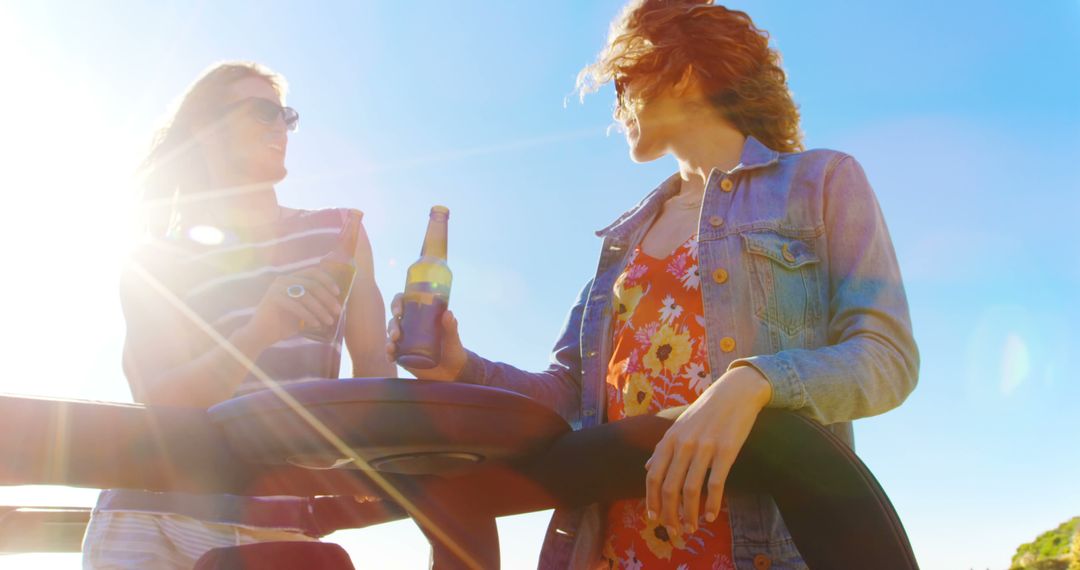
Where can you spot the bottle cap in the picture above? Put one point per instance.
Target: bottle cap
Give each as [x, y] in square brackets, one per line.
[440, 210]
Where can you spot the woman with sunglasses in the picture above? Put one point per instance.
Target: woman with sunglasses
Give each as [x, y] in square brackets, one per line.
[758, 275]
[220, 299]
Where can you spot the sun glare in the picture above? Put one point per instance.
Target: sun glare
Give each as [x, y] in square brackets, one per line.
[65, 227]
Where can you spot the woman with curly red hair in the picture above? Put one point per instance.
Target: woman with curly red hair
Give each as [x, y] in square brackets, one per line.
[758, 275]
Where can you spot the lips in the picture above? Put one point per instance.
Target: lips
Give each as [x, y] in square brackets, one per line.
[275, 143]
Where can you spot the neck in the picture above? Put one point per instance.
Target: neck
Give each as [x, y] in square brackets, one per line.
[716, 145]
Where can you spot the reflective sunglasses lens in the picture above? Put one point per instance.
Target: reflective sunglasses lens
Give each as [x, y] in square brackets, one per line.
[264, 111]
[291, 117]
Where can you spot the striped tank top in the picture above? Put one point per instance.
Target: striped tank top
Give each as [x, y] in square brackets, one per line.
[221, 275]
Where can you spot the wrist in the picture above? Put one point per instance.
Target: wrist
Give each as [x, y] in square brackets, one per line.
[251, 341]
[754, 382]
[468, 369]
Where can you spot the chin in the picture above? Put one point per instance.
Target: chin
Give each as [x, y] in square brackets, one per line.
[274, 174]
[639, 154]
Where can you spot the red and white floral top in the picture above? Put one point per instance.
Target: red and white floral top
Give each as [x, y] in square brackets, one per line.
[659, 361]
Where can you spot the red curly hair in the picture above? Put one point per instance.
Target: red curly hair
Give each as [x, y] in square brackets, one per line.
[653, 43]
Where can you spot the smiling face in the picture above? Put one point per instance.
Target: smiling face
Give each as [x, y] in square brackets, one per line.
[249, 149]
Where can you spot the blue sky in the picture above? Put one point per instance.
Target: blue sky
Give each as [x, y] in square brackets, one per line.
[965, 116]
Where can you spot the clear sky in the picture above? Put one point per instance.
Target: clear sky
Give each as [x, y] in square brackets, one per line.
[965, 114]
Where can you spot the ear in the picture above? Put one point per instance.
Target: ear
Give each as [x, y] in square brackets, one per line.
[687, 83]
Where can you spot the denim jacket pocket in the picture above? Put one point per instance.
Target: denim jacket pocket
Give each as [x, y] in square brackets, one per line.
[784, 280]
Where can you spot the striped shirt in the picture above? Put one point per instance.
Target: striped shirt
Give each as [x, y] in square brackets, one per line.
[221, 275]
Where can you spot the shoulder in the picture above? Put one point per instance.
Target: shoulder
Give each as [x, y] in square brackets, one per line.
[154, 262]
[302, 219]
[821, 159]
[828, 170]
[159, 253]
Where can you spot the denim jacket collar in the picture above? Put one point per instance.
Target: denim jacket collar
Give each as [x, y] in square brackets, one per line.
[754, 155]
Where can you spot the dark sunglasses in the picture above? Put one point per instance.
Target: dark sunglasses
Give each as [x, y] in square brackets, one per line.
[266, 112]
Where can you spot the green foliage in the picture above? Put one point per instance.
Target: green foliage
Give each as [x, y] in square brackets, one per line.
[1075, 551]
[1057, 549]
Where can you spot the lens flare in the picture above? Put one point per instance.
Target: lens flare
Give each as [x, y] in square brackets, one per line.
[1015, 363]
[206, 235]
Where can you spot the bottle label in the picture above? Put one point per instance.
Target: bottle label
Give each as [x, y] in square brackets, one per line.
[423, 305]
[426, 293]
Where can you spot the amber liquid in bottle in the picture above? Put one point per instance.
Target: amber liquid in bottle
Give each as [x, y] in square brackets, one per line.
[340, 265]
[427, 294]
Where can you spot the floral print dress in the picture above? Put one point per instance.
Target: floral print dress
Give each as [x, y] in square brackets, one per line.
[659, 361]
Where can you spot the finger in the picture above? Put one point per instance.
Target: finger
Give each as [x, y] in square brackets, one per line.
[671, 489]
[654, 478]
[323, 294]
[450, 329]
[396, 306]
[298, 310]
[317, 308]
[715, 490]
[393, 330]
[691, 490]
[324, 278]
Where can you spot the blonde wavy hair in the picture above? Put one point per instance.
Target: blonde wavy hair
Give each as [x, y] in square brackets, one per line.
[174, 167]
[653, 44]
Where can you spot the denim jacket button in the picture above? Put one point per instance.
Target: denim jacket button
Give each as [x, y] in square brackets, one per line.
[716, 221]
[726, 185]
[591, 353]
[727, 344]
[786, 252]
[590, 412]
[762, 562]
[720, 275]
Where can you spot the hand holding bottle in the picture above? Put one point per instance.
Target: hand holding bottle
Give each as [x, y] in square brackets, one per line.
[306, 296]
[453, 356]
[422, 329]
[340, 266]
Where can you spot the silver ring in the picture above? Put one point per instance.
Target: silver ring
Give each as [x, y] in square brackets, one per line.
[295, 291]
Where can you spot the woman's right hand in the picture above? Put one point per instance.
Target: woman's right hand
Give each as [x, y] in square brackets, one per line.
[453, 356]
[280, 315]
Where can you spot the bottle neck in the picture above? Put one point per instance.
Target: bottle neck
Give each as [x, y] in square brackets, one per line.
[350, 233]
[435, 238]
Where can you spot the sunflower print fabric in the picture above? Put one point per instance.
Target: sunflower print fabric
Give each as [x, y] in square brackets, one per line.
[659, 361]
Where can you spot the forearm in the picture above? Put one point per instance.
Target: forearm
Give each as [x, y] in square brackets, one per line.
[861, 377]
[208, 379]
[555, 387]
[372, 363]
[365, 332]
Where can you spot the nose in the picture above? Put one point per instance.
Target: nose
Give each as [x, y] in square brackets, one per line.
[279, 126]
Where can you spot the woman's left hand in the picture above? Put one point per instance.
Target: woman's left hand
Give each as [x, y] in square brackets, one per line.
[708, 435]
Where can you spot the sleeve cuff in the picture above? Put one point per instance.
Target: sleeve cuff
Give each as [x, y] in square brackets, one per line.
[473, 372]
[788, 391]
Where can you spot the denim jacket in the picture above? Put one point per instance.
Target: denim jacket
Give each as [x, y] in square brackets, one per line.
[799, 279]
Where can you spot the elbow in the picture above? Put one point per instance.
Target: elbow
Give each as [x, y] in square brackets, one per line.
[371, 363]
[909, 370]
[376, 369]
[899, 367]
[904, 366]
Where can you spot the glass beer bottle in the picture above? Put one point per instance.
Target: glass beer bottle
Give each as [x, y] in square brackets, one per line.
[340, 265]
[427, 293]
